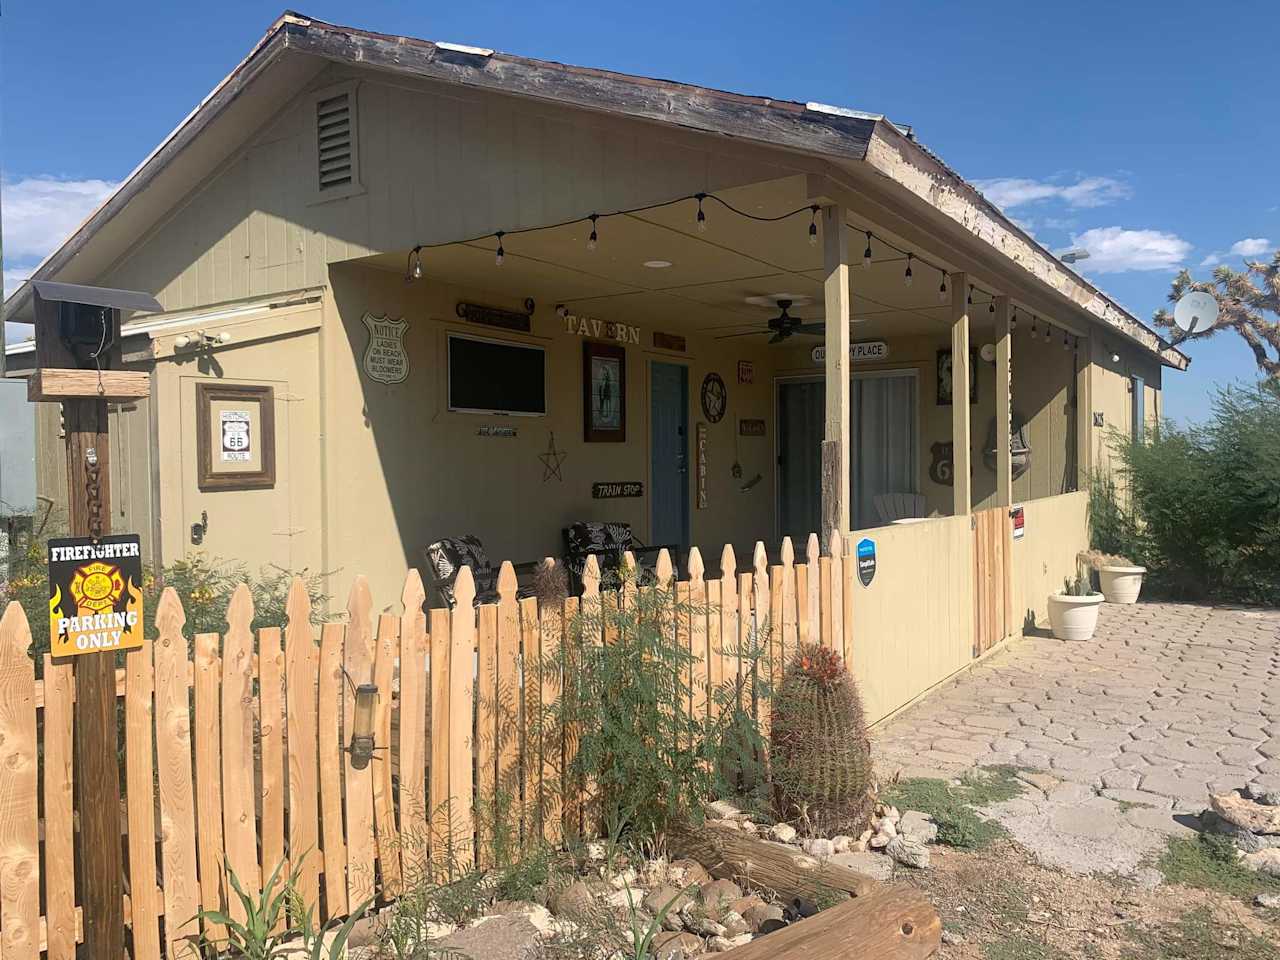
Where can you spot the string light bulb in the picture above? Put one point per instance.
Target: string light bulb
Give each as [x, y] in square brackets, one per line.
[866, 254]
[1033, 327]
[414, 271]
[594, 238]
[500, 254]
[1013, 320]
[1065, 344]
[701, 219]
[991, 307]
[906, 277]
[942, 290]
[813, 226]
[969, 297]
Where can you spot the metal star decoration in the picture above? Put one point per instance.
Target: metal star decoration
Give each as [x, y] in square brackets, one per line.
[551, 461]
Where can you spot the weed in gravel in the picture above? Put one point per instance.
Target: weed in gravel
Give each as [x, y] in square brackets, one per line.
[1200, 935]
[952, 805]
[1020, 948]
[1208, 861]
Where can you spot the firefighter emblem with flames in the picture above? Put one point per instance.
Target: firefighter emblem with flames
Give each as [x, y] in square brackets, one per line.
[95, 595]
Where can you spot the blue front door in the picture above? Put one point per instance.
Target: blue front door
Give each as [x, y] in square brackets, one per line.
[669, 446]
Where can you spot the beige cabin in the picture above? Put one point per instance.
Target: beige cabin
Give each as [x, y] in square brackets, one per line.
[346, 371]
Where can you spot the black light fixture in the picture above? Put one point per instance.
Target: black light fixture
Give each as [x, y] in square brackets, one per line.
[1065, 344]
[702, 217]
[501, 254]
[991, 307]
[969, 297]
[942, 290]
[593, 239]
[1033, 326]
[813, 226]
[866, 254]
[906, 277]
[1013, 320]
[362, 746]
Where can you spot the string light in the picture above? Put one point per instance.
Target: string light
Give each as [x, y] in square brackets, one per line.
[413, 271]
[1033, 326]
[593, 239]
[991, 307]
[1065, 344]
[866, 254]
[702, 217]
[906, 277]
[969, 299]
[1013, 320]
[501, 254]
[942, 290]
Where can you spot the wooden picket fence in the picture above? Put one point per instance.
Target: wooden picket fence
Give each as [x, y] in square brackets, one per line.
[233, 743]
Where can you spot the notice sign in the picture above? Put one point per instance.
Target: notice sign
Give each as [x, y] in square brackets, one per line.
[235, 435]
[1019, 518]
[866, 557]
[385, 358]
[95, 594]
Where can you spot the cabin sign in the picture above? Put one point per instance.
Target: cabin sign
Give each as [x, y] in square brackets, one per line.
[385, 359]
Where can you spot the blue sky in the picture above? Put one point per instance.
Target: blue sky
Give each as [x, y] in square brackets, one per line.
[1144, 130]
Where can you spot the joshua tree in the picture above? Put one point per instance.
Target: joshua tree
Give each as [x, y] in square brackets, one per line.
[1245, 299]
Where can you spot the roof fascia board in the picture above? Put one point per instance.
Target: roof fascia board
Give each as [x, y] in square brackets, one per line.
[914, 169]
[778, 123]
[211, 107]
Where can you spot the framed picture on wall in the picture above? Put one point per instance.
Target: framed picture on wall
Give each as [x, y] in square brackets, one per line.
[235, 436]
[604, 392]
[945, 378]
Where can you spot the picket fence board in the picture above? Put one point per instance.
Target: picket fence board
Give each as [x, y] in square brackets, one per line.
[59, 836]
[486, 729]
[208, 771]
[506, 730]
[384, 812]
[19, 816]
[239, 822]
[462, 643]
[271, 740]
[357, 660]
[172, 662]
[301, 676]
[139, 780]
[329, 737]
[439, 781]
[412, 729]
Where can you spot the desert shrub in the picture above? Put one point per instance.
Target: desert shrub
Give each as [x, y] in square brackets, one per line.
[649, 760]
[820, 754]
[1205, 501]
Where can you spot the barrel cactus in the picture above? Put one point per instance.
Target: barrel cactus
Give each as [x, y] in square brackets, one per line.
[820, 754]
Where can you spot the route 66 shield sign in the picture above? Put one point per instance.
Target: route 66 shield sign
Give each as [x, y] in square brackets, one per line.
[385, 359]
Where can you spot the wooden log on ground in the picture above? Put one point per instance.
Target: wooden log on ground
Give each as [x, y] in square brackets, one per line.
[892, 923]
[747, 859]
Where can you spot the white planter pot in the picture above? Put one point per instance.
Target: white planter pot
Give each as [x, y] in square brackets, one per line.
[1074, 618]
[1121, 584]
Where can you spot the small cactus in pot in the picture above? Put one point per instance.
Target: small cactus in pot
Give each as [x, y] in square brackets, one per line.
[819, 750]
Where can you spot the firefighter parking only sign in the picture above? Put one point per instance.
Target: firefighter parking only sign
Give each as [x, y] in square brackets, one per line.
[95, 594]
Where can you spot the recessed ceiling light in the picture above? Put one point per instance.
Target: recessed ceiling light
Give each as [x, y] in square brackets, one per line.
[657, 264]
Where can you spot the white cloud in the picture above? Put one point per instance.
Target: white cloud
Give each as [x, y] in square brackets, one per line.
[1009, 192]
[1250, 246]
[41, 212]
[1116, 250]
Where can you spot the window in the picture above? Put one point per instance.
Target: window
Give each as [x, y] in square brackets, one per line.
[496, 377]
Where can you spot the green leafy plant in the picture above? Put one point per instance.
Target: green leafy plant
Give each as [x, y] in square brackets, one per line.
[261, 931]
[821, 755]
[649, 760]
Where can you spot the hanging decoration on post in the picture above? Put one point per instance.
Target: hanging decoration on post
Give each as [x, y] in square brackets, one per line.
[95, 594]
[551, 460]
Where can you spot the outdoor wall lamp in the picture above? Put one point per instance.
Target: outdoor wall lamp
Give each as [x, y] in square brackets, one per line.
[361, 747]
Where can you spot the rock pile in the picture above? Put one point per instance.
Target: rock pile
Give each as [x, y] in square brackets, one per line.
[1252, 822]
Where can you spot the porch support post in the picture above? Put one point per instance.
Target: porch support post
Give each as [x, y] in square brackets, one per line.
[835, 446]
[1004, 404]
[1084, 412]
[960, 456]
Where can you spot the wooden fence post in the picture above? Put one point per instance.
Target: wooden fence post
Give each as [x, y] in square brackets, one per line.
[139, 782]
[19, 817]
[301, 677]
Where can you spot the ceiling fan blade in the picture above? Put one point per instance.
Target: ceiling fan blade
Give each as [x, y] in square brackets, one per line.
[778, 337]
[816, 329]
[746, 333]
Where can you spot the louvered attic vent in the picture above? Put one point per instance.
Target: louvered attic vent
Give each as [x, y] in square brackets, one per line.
[333, 137]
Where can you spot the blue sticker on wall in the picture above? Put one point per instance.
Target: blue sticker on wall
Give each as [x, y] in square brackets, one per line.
[866, 561]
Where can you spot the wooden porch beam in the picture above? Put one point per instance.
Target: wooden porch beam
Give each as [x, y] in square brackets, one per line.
[1084, 413]
[835, 446]
[1004, 404]
[962, 475]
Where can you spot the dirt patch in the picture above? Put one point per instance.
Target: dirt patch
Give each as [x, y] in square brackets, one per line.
[1005, 906]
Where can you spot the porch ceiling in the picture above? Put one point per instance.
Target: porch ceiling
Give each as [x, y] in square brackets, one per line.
[711, 274]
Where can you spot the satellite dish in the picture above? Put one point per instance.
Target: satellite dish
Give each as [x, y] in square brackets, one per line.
[1195, 312]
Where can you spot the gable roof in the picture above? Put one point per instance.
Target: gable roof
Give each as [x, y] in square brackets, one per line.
[297, 47]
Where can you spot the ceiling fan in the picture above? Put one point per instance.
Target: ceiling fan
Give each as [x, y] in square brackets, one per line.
[784, 326]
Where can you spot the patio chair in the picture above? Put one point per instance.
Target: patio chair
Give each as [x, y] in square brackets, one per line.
[608, 541]
[899, 506]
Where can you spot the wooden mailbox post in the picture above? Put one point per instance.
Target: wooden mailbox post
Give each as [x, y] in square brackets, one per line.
[78, 361]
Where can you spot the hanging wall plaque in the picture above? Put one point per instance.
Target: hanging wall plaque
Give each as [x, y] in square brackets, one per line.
[385, 359]
[715, 397]
[866, 558]
[700, 465]
[497, 317]
[616, 490]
